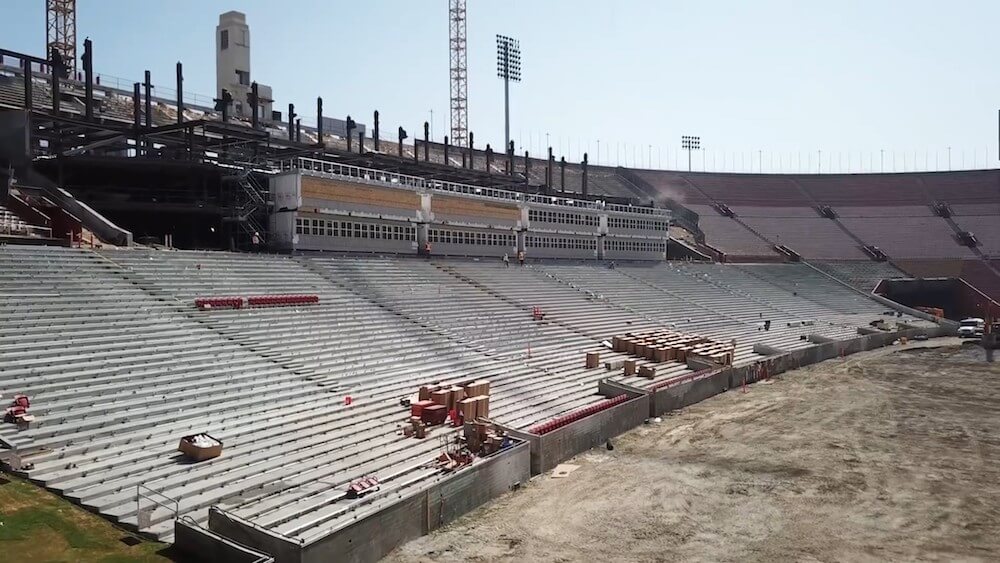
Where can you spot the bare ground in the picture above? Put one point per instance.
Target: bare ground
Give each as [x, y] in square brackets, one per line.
[887, 455]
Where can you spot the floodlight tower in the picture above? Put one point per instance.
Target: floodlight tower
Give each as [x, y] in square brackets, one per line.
[508, 68]
[60, 31]
[459, 73]
[690, 143]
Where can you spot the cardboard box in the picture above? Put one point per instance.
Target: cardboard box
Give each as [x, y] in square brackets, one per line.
[648, 372]
[440, 397]
[629, 367]
[424, 394]
[593, 360]
[482, 406]
[195, 453]
[468, 408]
[417, 409]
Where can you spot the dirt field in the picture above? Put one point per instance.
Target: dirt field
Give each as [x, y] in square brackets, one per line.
[887, 455]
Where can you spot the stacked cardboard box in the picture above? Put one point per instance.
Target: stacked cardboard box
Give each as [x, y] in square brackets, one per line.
[668, 345]
[470, 400]
[593, 360]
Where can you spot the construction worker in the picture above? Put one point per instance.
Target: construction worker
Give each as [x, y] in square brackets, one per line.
[520, 257]
[427, 249]
[506, 260]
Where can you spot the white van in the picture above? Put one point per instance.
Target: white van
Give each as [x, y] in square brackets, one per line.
[971, 328]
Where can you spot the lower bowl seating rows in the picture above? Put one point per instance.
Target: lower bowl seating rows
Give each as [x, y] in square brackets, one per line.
[119, 363]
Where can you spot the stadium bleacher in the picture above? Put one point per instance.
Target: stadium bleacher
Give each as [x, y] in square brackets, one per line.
[864, 275]
[119, 363]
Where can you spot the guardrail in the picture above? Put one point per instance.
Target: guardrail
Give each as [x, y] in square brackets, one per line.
[325, 168]
[157, 498]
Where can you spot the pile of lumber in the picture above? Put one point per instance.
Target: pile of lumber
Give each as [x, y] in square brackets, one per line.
[666, 345]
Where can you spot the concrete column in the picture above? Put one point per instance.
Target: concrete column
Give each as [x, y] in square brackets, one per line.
[425, 214]
[600, 247]
[423, 235]
[521, 247]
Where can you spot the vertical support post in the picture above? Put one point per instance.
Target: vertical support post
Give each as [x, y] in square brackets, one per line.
[510, 158]
[376, 136]
[427, 138]
[402, 136]
[562, 174]
[446, 145]
[180, 92]
[527, 168]
[253, 98]
[472, 152]
[298, 130]
[489, 159]
[349, 126]
[136, 117]
[28, 93]
[361, 142]
[319, 120]
[88, 84]
[57, 68]
[583, 184]
[148, 92]
[291, 122]
[548, 170]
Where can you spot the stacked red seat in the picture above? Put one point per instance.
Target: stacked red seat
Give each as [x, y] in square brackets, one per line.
[219, 302]
[281, 300]
[576, 415]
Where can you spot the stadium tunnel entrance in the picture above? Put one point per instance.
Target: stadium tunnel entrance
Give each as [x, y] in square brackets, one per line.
[954, 296]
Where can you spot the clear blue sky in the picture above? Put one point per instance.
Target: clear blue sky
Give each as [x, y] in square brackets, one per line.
[785, 77]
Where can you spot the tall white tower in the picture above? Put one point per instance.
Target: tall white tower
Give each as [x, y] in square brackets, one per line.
[232, 65]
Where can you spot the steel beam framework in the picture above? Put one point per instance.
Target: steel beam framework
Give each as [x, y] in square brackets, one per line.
[459, 74]
[60, 30]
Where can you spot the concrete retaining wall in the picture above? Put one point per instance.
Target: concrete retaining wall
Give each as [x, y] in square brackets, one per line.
[557, 446]
[199, 544]
[373, 537]
[284, 550]
[688, 393]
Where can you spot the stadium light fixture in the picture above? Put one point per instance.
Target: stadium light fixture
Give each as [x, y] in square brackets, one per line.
[690, 143]
[508, 69]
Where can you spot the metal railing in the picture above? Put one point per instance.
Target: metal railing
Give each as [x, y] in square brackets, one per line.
[157, 498]
[323, 168]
